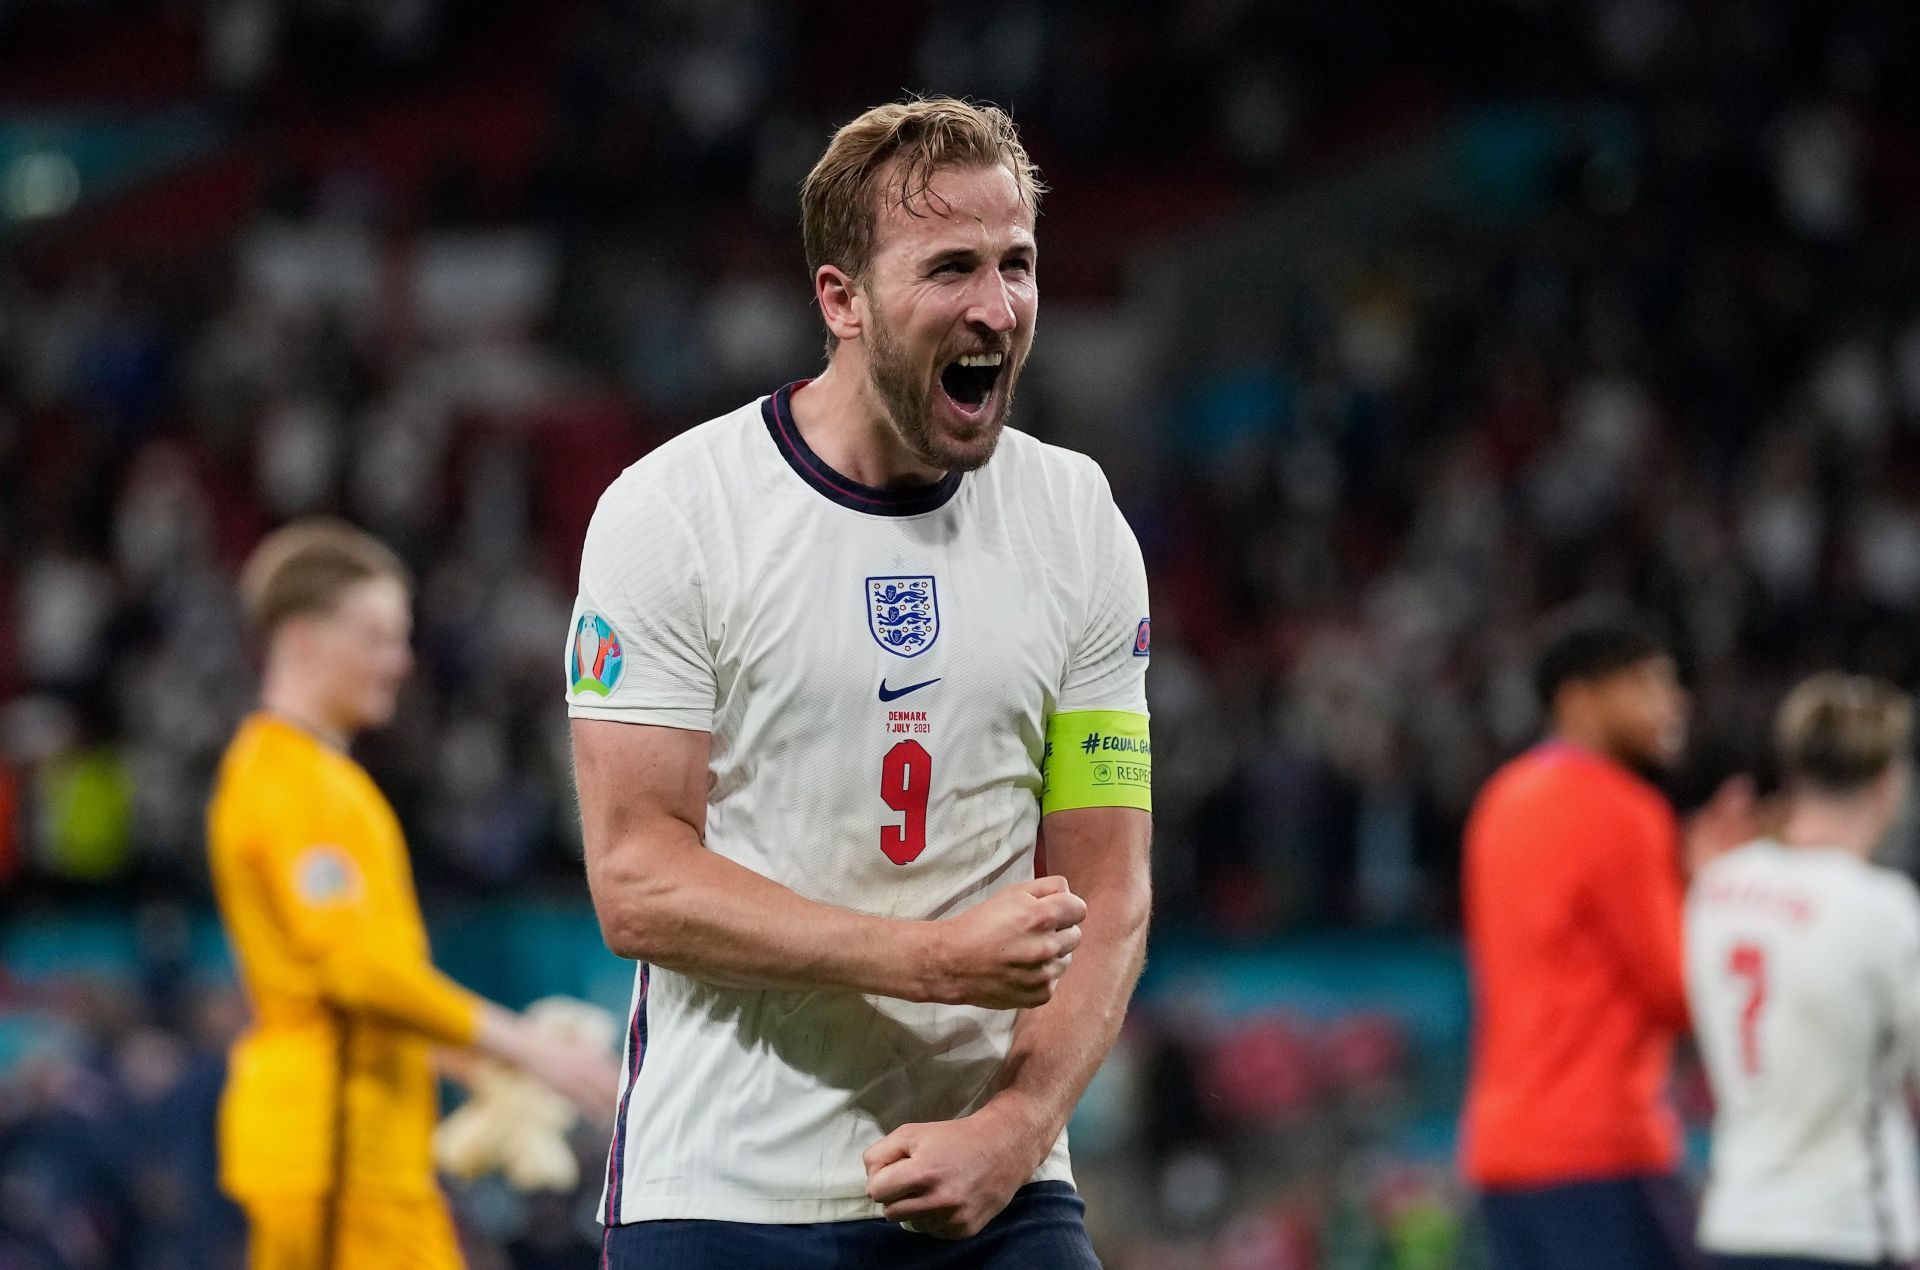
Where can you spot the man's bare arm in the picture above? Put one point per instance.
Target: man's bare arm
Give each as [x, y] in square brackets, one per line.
[1103, 853]
[951, 1178]
[662, 897]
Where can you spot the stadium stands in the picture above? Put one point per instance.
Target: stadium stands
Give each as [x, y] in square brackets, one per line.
[1393, 335]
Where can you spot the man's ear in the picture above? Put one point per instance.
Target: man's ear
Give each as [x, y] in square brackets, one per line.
[839, 301]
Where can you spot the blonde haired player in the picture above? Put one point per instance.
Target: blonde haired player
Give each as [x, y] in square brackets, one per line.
[1803, 967]
[839, 658]
[327, 1119]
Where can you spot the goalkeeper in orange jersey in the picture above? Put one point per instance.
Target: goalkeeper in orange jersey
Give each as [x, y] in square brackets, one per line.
[327, 1120]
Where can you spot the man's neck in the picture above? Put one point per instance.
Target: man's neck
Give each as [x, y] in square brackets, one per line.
[1847, 824]
[287, 697]
[1586, 739]
[844, 422]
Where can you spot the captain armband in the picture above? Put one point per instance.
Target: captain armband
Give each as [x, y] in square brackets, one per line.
[1097, 758]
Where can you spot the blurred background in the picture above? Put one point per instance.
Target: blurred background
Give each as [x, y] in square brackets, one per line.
[1394, 326]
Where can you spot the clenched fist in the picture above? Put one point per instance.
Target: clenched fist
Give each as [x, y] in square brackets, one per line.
[947, 1179]
[1008, 952]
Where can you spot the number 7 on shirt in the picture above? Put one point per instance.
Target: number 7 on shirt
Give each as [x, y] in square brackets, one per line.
[1749, 962]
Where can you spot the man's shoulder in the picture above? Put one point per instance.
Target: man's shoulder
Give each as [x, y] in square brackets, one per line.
[1060, 494]
[1570, 788]
[1890, 893]
[710, 447]
[272, 772]
[1748, 863]
[264, 750]
[1025, 459]
[1863, 895]
[1872, 910]
[1557, 768]
[694, 465]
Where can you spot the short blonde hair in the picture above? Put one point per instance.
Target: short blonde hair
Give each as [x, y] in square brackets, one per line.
[1837, 733]
[891, 152]
[305, 567]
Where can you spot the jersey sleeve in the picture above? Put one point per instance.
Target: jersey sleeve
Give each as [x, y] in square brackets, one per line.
[637, 649]
[1098, 752]
[1107, 669]
[318, 885]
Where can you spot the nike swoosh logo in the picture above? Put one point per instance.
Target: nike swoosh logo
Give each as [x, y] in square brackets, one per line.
[894, 694]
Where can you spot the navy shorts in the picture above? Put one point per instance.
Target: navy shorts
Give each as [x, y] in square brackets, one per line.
[1042, 1228]
[1727, 1261]
[1628, 1223]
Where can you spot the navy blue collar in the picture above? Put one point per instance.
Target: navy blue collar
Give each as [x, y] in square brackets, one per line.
[912, 500]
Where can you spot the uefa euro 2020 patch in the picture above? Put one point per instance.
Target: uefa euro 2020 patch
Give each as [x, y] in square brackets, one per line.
[594, 657]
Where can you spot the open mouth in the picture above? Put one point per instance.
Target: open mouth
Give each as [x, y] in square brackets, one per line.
[968, 381]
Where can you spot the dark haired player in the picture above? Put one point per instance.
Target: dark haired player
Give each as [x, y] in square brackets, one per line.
[1573, 892]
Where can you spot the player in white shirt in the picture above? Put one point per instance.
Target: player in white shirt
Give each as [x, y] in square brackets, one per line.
[833, 676]
[1803, 969]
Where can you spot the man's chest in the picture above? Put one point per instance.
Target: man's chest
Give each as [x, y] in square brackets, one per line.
[903, 625]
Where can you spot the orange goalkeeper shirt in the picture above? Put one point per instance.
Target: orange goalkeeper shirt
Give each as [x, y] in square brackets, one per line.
[332, 1088]
[1573, 901]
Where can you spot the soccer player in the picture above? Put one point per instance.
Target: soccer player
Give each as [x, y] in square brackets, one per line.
[1573, 894]
[841, 661]
[326, 1122]
[1803, 966]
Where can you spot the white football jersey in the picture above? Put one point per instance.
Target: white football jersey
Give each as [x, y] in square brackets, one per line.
[877, 670]
[1803, 967]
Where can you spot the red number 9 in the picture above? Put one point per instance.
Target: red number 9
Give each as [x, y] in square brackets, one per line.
[906, 777]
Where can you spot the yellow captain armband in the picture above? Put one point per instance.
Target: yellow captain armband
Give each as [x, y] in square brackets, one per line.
[1097, 758]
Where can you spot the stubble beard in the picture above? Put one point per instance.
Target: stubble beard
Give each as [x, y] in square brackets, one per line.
[908, 399]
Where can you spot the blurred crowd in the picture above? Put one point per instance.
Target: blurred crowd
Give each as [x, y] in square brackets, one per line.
[1685, 368]
[485, 255]
[1688, 373]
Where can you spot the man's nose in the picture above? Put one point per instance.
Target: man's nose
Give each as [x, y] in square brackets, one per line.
[992, 305]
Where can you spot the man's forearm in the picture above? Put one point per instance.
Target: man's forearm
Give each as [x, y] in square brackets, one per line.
[663, 897]
[1057, 1047]
[712, 919]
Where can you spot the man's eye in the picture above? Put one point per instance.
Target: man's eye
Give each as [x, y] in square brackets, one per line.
[1019, 266]
[951, 266]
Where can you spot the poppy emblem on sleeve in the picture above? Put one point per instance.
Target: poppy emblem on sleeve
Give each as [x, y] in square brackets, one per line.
[594, 657]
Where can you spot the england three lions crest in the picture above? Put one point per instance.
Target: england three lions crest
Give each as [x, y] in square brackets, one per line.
[903, 614]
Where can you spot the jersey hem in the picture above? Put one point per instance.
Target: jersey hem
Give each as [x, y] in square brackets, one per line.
[1513, 1177]
[774, 1212]
[1749, 1243]
[778, 1212]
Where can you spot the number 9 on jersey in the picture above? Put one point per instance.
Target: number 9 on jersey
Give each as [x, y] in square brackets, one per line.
[906, 779]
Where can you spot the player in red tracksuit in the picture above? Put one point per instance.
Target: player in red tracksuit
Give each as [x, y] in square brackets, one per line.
[1573, 889]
